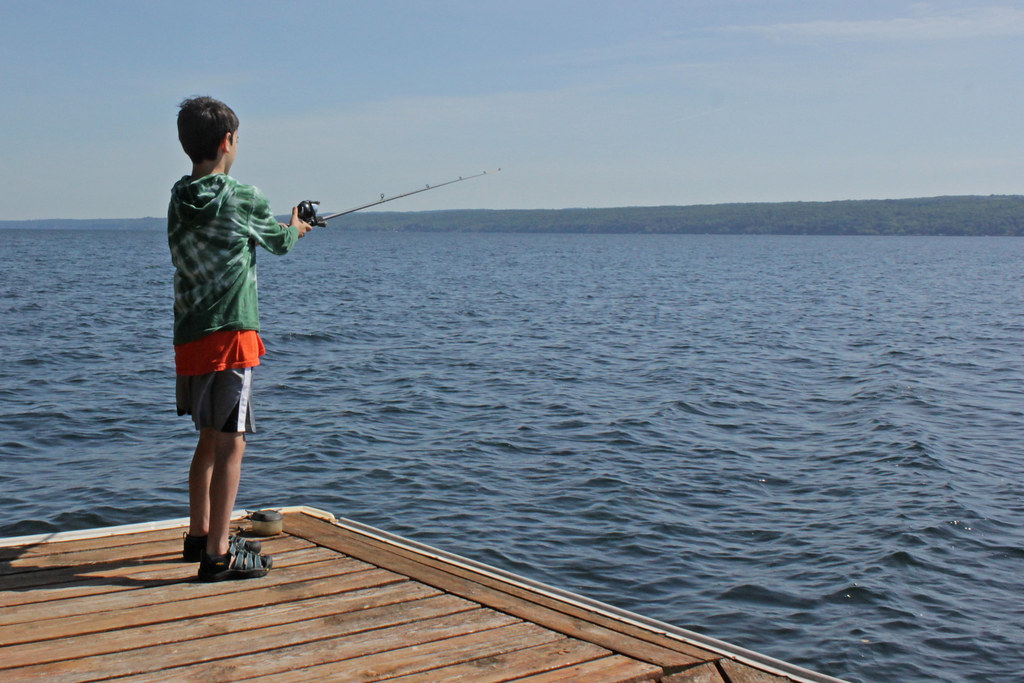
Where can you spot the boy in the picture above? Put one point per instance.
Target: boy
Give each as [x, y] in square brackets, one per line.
[213, 226]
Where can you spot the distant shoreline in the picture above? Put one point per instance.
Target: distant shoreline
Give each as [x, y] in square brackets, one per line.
[951, 215]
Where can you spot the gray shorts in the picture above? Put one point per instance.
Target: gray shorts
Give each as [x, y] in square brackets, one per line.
[220, 400]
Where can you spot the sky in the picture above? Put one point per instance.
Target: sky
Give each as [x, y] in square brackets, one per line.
[580, 103]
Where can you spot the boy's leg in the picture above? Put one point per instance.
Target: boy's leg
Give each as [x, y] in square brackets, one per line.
[213, 485]
[216, 467]
[228, 449]
[199, 483]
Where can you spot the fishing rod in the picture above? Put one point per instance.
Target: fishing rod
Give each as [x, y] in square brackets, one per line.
[307, 208]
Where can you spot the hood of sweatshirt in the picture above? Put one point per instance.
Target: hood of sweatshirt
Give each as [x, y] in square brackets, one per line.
[200, 200]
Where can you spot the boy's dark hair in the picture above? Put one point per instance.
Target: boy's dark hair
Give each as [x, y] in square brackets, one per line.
[202, 124]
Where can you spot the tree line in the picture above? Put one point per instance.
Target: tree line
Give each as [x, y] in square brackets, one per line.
[964, 215]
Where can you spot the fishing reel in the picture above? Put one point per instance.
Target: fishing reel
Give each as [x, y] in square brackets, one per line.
[307, 212]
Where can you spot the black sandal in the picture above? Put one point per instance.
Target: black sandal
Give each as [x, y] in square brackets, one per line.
[195, 545]
[237, 564]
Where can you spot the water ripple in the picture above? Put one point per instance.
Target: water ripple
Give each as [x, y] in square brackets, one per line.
[805, 446]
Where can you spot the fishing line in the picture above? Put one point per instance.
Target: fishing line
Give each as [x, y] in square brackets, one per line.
[307, 208]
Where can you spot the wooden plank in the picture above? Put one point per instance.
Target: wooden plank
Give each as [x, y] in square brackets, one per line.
[8, 553]
[741, 673]
[153, 589]
[77, 582]
[568, 619]
[613, 669]
[44, 569]
[237, 621]
[426, 658]
[512, 664]
[705, 673]
[138, 556]
[438, 659]
[96, 600]
[59, 555]
[378, 664]
[354, 636]
[57, 577]
[194, 600]
[101, 538]
[135, 553]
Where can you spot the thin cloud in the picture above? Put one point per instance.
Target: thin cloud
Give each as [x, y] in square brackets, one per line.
[992, 22]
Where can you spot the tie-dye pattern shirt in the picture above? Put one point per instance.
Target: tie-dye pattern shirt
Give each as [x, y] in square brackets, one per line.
[213, 226]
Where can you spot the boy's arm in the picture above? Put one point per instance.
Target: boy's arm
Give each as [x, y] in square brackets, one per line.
[265, 230]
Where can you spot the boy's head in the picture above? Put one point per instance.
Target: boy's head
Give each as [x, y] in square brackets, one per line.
[202, 124]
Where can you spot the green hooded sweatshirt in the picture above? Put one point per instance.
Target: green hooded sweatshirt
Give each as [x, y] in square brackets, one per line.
[213, 226]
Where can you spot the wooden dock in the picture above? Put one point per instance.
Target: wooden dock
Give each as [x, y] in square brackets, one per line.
[344, 602]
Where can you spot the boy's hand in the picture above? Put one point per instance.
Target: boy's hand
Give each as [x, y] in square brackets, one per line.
[302, 225]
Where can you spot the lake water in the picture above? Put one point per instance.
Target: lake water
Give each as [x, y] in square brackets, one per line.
[807, 446]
